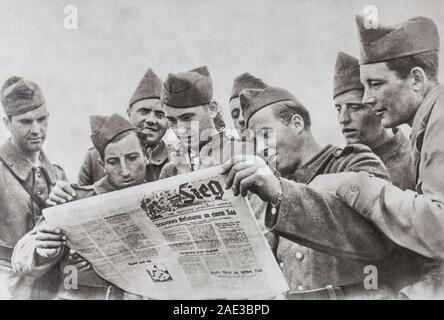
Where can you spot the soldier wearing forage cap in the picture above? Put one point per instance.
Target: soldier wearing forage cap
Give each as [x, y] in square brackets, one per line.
[122, 156]
[241, 82]
[399, 69]
[26, 174]
[360, 124]
[321, 244]
[189, 107]
[146, 114]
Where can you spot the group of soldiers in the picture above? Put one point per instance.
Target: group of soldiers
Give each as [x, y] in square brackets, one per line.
[328, 213]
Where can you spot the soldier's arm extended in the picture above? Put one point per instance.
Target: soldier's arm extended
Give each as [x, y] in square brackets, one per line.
[319, 220]
[316, 219]
[412, 220]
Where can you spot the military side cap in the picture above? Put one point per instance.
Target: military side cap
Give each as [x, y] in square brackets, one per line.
[19, 96]
[188, 89]
[253, 100]
[105, 128]
[347, 75]
[148, 88]
[246, 81]
[416, 35]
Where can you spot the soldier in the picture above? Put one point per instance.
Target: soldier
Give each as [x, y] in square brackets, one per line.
[399, 70]
[241, 82]
[146, 114]
[26, 176]
[323, 245]
[360, 124]
[187, 99]
[42, 250]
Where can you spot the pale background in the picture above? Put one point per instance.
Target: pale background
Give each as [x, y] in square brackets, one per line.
[95, 69]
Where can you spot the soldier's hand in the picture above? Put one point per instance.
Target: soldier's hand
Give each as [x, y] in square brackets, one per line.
[78, 261]
[48, 241]
[251, 173]
[61, 192]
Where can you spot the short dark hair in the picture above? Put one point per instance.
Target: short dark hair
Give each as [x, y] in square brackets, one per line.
[285, 111]
[428, 61]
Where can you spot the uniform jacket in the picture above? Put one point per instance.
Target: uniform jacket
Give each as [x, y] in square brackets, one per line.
[414, 220]
[18, 212]
[396, 154]
[324, 242]
[92, 171]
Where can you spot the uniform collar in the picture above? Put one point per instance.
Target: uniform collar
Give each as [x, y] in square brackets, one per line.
[392, 145]
[22, 167]
[424, 109]
[158, 154]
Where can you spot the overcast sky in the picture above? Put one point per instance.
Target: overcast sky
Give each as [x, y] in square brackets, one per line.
[95, 69]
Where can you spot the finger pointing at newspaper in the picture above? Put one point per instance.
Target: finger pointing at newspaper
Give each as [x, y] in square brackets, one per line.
[251, 173]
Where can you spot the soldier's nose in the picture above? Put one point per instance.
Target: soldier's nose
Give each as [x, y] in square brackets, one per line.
[368, 99]
[343, 116]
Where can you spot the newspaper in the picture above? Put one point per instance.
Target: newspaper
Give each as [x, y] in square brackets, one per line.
[184, 237]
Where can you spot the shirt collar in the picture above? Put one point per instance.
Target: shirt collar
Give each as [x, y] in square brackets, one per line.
[22, 167]
[392, 145]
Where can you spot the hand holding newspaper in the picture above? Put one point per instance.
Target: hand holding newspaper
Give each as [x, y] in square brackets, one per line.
[178, 238]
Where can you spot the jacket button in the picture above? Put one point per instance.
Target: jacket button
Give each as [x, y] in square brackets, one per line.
[301, 288]
[354, 188]
[10, 164]
[281, 265]
[299, 256]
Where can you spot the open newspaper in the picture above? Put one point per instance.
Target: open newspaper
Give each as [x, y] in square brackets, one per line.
[184, 237]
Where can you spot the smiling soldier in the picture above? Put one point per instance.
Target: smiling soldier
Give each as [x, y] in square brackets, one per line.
[322, 245]
[146, 114]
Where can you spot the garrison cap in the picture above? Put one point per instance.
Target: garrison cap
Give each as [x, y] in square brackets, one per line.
[188, 89]
[19, 96]
[253, 100]
[347, 75]
[148, 88]
[416, 35]
[105, 128]
[246, 81]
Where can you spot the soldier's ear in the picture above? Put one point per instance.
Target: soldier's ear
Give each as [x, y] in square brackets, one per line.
[214, 109]
[7, 123]
[298, 122]
[418, 77]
